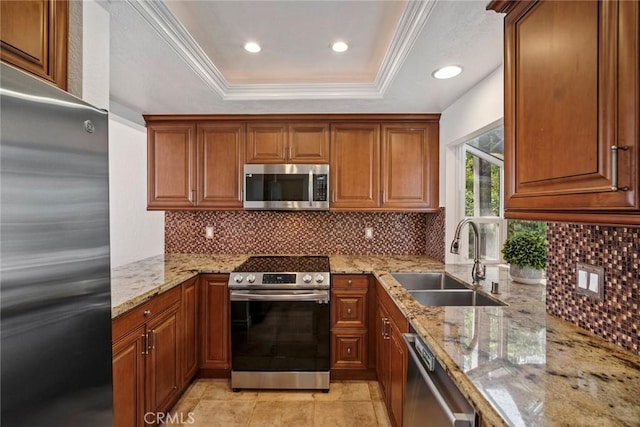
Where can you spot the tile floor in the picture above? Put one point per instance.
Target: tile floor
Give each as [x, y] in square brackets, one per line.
[212, 403]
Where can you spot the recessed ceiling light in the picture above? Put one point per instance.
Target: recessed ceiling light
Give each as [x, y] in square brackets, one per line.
[252, 47]
[447, 72]
[339, 47]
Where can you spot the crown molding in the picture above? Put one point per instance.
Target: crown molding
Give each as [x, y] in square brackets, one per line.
[162, 20]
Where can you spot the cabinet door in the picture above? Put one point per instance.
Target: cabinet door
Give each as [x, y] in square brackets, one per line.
[355, 166]
[266, 143]
[398, 372]
[214, 339]
[128, 379]
[382, 348]
[571, 90]
[220, 161]
[349, 349]
[171, 165]
[163, 379]
[189, 332]
[410, 166]
[34, 37]
[349, 308]
[308, 143]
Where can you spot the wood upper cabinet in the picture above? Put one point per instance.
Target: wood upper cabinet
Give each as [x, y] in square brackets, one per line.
[410, 166]
[220, 157]
[572, 110]
[355, 165]
[304, 142]
[34, 37]
[215, 338]
[171, 150]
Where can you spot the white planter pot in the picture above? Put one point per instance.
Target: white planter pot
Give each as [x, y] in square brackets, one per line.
[526, 275]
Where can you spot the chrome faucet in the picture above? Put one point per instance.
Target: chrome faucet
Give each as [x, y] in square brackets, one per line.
[479, 271]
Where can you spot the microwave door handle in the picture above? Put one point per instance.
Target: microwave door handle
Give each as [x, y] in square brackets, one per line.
[310, 188]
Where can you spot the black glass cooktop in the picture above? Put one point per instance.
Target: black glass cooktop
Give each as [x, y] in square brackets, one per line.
[278, 264]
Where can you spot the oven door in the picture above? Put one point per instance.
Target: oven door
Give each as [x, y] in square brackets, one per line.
[280, 330]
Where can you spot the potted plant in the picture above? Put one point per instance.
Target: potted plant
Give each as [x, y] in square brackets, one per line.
[526, 253]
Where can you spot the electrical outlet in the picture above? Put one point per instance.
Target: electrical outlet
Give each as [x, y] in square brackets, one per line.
[368, 232]
[208, 232]
[590, 280]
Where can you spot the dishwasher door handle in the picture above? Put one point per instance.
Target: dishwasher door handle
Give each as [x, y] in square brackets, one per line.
[457, 419]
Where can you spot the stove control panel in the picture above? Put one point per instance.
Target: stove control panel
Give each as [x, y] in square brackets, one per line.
[305, 280]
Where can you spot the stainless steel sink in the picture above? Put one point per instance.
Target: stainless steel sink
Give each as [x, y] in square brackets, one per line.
[428, 281]
[453, 297]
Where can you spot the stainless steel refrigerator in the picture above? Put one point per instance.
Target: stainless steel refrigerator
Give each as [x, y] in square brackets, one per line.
[55, 302]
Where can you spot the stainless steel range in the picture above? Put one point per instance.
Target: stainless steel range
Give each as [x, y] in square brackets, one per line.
[280, 319]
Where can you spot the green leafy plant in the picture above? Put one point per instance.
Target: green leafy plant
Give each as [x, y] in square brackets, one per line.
[526, 249]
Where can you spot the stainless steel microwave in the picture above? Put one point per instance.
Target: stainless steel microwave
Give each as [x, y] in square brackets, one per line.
[286, 187]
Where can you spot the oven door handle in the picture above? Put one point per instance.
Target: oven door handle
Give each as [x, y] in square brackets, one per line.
[307, 295]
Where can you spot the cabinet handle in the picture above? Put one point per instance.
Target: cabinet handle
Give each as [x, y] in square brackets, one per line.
[349, 311]
[349, 282]
[145, 344]
[384, 327]
[153, 335]
[290, 156]
[146, 313]
[614, 168]
[284, 152]
[348, 350]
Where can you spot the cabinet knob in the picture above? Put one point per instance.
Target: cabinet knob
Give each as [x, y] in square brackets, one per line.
[348, 350]
[349, 282]
[147, 312]
[348, 311]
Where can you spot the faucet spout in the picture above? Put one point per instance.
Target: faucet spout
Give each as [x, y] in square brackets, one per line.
[478, 272]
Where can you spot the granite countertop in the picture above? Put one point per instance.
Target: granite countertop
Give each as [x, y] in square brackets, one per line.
[516, 364]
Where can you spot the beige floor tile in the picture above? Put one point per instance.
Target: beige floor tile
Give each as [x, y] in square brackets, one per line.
[282, 414]
[197, 388]
[381, 414]
[345, 391]
[374, 390]
[222, 391]
[344, 414]
[285, 396]
[216, 413]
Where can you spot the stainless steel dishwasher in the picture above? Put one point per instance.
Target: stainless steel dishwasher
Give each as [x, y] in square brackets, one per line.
[431, 397]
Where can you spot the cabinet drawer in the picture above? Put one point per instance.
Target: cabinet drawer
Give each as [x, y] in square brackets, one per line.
[141, 314]
[349, 350]
[349, 281]
[349, 308]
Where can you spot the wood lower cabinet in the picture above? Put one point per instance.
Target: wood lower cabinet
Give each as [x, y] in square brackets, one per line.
[572, 110]
[190, 320]
[392, 354]
[171, 167]
[34, 35]
[149, 348]
[215, 338]
[350, 324]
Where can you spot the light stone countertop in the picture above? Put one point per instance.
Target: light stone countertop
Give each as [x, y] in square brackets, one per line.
[516, 364]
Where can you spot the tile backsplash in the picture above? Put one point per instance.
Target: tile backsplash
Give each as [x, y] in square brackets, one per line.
[272, 232]
[616, 318]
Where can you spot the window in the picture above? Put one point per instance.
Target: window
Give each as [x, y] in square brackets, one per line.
[483, 159]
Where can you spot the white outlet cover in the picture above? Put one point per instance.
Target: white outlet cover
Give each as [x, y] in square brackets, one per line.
[594, 280]
[208, 233]
[368, 233]
[582, 279]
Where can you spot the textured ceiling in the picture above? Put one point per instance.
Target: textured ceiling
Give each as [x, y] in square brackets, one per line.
[155, 71]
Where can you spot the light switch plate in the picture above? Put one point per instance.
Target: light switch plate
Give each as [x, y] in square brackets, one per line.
[368, 232]
[590, 280]
[208, 232]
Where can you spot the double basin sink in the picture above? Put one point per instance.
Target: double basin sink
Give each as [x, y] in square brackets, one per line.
[440, 289]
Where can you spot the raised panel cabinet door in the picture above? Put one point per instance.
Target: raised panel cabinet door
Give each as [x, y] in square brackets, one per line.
[409, 166]
[163, 362]
[355, 166]
[571, 91]
[398, 368]
[266, 143]
[308, 143]
[382, 349]
[189, 332]
[349, 349]
[215, 335]
[171, 165]
[128, 380]
[349, 308]
[220, 162]
[34, 37]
